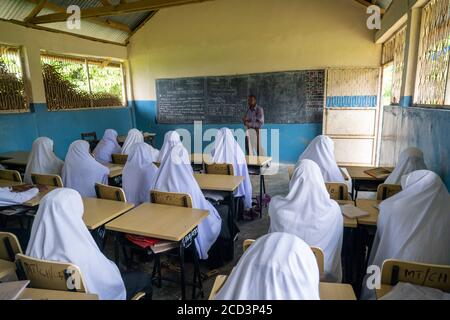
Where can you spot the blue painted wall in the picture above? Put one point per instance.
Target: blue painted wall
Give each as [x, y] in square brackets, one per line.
[294, 138]
[18, 131]
[427, 129]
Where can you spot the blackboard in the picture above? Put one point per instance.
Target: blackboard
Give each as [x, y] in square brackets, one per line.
[287, 97]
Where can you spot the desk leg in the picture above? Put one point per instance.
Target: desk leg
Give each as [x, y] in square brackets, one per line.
[182, 273]
[116, 249]
[353, 189]
[261, 184]
[197, 274]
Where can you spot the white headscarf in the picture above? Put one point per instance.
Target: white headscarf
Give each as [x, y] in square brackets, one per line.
[59, 234]
[278, 266]
[10, 198]
[139, 174]
[171, 139]
[414, 224]
[408, 291]
[309, 213]
[107, 146]
[42, 159]
[227, 150]
[81, 172]
[134, 136]
[321, 151]
[176, 175]
[410, 160]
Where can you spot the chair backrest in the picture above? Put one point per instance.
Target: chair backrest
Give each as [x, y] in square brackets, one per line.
[50, 275]
[171, 198]
[387, 190]
[11, 175]
[9, 246]
[318, 253]
[119, 158]
[110, 193]
[219, 168]
[337, 191]
[51, 180]
[428, 275]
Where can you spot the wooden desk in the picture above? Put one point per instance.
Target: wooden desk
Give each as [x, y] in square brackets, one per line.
[6, 268]
[348, 222]
[98, 212]
[9, 183]
[162, 222]
[217, 182]
[328, 291]
[363, 181]
[115, 170]
[148, 137]
[42, 294]
[36, 200]
[384, 290]
[15, 160]
[368, 206]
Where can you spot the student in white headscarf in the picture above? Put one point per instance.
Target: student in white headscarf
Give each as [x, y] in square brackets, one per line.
[107, 146]
[139, 174]
[8, 197]
[414, 224]
[59, 234]
[171, 139]
[42, 159]
[321, 151]
[227, 150]
[81, 171]
[176, 175]
[408, 291]
[278, 266]
[410, 160]
[309, 213]
[134, 136]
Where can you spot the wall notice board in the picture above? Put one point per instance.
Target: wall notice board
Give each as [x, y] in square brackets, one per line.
[287, 97]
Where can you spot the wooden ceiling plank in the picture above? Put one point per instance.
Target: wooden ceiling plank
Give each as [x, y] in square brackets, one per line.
[38, 8]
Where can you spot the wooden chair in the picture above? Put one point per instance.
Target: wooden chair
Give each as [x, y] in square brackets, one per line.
[11, 175]
[428, 275]
[50, 275]
[119, 158]
[219, 168]
[337, 191]
[171, 198]
[110, 193]
[51, 180]
[387, 190]
[90, 137]
[318, 253]
[9, 247]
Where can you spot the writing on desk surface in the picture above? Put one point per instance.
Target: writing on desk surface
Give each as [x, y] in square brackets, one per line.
[425, 276]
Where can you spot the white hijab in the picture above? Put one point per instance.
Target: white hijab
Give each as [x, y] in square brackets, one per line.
[321, 151]
[59, 234]
[171, 139]
[408, 291]
[176, 175]
[107, 146]
[10, 198]
[410, 160]
[81, 172]
[309, 213]
[42, 159]
[139, 174]
[227, 150]
[278, 266]
[414, 224]
[134, 136]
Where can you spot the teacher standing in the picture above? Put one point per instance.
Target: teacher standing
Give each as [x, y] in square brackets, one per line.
[254, 119]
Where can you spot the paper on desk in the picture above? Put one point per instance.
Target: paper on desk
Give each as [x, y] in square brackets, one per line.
[350, 211]
[12, 290]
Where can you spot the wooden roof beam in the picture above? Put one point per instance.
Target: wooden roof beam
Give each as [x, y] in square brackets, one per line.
[114, 10]
[370, 3]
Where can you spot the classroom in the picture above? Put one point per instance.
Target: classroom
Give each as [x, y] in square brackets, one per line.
[186, 149]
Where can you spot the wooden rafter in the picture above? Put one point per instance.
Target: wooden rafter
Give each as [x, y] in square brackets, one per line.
[140, 25]
[58, 9]
[38, 8]
[114, 10]
[367, 3]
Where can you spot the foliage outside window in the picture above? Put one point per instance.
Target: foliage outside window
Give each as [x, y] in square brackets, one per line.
[432, 68]
[394, 53]
[80, 83]
[13, 97]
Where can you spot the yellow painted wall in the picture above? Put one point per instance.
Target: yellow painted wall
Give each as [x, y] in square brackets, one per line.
[224, 37]
[34, 40]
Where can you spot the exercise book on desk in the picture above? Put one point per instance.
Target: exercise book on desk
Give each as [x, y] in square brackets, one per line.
[12, 290]
[378, 173]
[352, 212]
